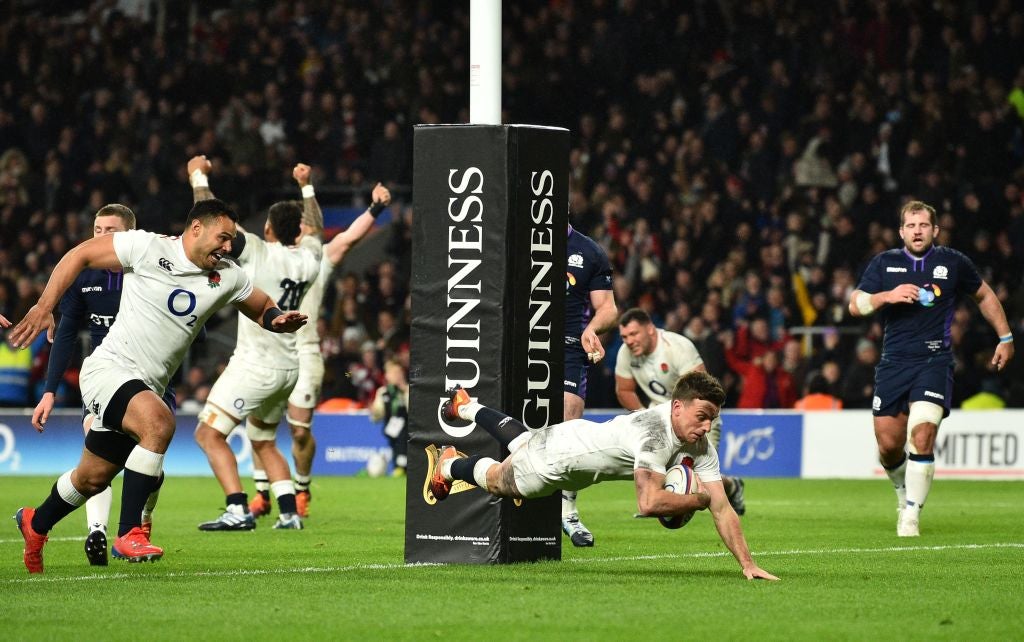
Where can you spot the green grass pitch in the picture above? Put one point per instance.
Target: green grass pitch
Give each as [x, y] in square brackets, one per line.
[845, 574]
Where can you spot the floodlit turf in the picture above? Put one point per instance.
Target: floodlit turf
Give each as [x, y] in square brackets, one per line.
[845, 573]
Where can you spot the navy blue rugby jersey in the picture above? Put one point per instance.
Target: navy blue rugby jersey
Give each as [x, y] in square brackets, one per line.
[587, 270]
[943, 275]
[92, 300]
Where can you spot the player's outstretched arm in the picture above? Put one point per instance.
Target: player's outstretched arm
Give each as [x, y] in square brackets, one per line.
[262, 310]
[992, 310]
[96, 253]
[727, 523]
[312, 215]
[340, 245]
[199, 177]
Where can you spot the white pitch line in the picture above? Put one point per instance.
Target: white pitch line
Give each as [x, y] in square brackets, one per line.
[19, 540]
[596, 560]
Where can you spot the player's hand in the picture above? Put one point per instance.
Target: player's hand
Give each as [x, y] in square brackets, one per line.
[200, 163]
[592, 344]
[36, 320]
[381, 194]
[905, 293]
[4, 323]
[1004, 352]
[288, 322]
[42, 411]
[301, 174]
[754, 572]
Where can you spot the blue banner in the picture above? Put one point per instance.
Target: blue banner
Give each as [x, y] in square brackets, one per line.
[752, 445]
[756, 445]
[345, 442]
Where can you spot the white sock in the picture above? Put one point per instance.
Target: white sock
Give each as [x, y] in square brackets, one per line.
[97, 510]
[67, 490]
[468, 412]
[919, 483]
[568, 503]
[480, 472]
[282, 487]
[898, 477]
[145, 461]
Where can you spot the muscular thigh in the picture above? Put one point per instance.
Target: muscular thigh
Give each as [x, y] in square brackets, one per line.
[306, 393]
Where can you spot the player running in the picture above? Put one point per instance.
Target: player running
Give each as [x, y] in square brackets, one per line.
[918, 288]
[92, 301]
[172, 285]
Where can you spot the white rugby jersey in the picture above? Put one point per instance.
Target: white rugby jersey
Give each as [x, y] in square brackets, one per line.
[307, 338]
[582, 453]
[165, 301]
[656, 374]
[284, 273]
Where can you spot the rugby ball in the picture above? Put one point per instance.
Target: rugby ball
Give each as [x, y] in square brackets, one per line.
[681, 480]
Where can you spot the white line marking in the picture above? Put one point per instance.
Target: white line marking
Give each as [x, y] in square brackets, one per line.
[19, 540]
[601, 560]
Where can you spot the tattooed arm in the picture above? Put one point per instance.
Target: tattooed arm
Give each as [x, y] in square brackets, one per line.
[312, 216]
[201, 188]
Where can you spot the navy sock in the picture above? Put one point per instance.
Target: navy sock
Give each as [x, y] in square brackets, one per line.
[286, 503]
[265, 494]
[462, 468]
[237, 498]
[50, 512]
[137, 488]
[499, 425]
[924, 459]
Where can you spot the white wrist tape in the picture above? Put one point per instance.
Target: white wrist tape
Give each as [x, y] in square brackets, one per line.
[307, 191]
[198, 179]
[863, 303]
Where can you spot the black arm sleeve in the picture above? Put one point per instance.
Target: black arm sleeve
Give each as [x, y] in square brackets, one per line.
[237, 245]
[61, 352]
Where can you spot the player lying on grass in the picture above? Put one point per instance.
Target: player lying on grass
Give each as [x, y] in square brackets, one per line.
[579, 453]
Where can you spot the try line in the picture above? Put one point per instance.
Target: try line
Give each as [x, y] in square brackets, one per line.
[364, 567]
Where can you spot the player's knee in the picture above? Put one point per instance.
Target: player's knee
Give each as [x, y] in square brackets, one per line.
[217, 420]
[257, 431]
[301, 437]
[89, 482]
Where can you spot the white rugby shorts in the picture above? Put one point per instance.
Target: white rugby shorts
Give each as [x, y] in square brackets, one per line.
[245, 389]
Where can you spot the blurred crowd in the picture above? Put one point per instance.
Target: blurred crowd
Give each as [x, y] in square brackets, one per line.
[739, 161]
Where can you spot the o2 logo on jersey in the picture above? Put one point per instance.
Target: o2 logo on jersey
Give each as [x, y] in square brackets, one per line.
[927, 294]
[658, 389]
[181, 308]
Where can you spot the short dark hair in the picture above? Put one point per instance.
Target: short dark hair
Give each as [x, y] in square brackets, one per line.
[634, 314]
[699, 385]
[817, 385]
[123, 212]
[208, 209]
[916, 206]
[284, 218]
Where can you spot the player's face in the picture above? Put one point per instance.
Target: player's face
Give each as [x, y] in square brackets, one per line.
[211, 241]
[637, 337]
[108, 225]
[691, 420]
[918, 232]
